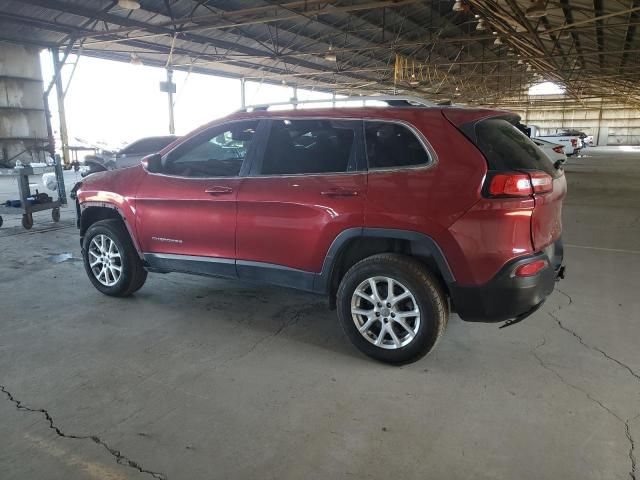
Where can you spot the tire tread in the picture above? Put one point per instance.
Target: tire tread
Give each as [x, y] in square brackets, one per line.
[425, 278]
[138, 275]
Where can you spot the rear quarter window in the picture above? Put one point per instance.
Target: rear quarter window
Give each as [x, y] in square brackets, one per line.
[392, 145]
[506, 148]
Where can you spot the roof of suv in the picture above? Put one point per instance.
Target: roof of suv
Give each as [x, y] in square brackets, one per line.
[455, 114]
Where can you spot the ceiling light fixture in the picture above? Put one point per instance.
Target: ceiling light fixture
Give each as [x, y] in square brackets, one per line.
[564, 35]
[458, 6]
[330, 56]
[537, 10]
[497, 41]
[414, 81]
[129, 4]
[482, 25]
[135, 59]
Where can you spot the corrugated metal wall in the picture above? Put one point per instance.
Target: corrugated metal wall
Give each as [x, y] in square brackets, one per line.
[609, 124]
[23, 130]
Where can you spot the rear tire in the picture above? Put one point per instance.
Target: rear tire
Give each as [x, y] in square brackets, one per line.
[403, 319]
[110, 259]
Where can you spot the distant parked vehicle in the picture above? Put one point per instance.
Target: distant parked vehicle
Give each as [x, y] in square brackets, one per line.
[129, 156]
[571, 143]
[554, 151]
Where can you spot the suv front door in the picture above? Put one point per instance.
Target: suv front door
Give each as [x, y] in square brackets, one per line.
[186, 215]
[306, 188]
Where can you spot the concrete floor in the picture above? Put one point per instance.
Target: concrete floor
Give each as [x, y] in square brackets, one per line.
[196, 378]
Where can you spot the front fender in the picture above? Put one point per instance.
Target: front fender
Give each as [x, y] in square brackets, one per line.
[113, 190]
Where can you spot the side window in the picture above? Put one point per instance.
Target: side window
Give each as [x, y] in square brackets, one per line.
[311, 146]
[391, 145]
[213, 153]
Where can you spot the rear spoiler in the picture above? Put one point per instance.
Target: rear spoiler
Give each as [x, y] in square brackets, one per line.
[466, 120]
[462, 116]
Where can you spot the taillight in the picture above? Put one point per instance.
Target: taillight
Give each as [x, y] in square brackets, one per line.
[512, 184]
[541, 182]
[519, 184]
[558, 149]
[530, 269]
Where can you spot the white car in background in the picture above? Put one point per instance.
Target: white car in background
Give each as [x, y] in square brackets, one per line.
[554, 151]
[571, 143]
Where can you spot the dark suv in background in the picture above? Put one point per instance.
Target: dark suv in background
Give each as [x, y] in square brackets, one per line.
[396, 214]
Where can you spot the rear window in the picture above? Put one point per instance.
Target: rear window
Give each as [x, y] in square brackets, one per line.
[506, 148]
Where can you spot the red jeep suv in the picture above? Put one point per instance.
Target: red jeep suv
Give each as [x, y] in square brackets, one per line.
[397, 213]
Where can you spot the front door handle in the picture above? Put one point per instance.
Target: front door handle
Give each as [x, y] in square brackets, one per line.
[340, 192]
[219, 190]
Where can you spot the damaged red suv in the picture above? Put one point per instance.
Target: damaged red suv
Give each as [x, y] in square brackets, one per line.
[397, 214]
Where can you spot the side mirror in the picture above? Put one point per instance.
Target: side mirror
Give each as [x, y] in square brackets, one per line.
[153, 163]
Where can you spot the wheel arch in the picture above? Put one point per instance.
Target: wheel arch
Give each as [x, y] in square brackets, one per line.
[92, 213]
[353, 245]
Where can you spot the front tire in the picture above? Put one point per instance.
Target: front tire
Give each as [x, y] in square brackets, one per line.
[392, 308]
[110, 259]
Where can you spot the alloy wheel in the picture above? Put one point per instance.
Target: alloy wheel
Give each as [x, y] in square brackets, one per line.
[104, 260]
[385, 312]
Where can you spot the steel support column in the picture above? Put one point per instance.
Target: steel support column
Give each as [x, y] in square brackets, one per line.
[172, 127]
[64, 136]
[243, 93]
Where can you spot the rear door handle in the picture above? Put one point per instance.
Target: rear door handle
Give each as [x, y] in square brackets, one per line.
[340, 192]
[219, 190]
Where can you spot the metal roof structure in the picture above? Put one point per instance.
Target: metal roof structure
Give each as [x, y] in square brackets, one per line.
[470, 51]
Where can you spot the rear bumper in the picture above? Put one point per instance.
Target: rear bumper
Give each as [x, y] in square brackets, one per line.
[506, 296]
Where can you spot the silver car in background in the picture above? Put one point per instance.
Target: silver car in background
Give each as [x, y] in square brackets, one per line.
[129, 156]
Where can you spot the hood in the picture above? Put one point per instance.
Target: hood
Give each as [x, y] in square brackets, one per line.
[116, 181]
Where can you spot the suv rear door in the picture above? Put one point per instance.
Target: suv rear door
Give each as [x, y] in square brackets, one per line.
[507, 149]
[306, 188]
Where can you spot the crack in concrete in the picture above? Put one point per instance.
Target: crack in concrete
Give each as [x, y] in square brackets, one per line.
[298, 315]
[121, 459]
[626, 423]
[585, 344]
[632, 448]
[546, 366]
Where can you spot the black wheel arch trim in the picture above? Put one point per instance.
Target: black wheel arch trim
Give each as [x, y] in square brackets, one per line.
[323, 279]
[81, 209]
